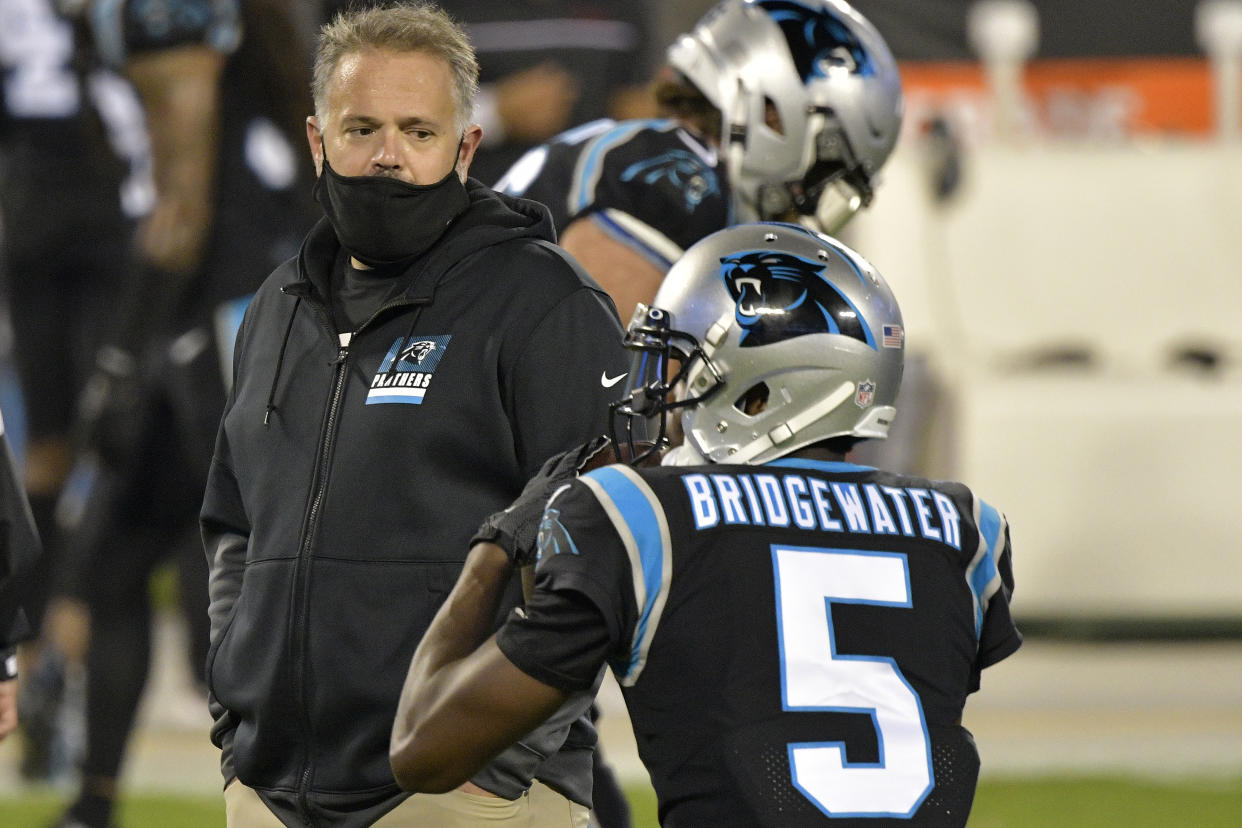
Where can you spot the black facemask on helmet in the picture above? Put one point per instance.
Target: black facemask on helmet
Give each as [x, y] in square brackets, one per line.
[385, 221]
[638, 422]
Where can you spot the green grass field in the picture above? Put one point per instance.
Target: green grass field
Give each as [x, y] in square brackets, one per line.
[1078, 802]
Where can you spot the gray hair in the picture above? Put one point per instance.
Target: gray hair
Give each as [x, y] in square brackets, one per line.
[398, 27]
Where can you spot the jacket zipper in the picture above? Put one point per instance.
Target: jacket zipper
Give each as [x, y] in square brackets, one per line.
[301, 577]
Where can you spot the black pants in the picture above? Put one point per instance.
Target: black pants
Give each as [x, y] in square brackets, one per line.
[134, 518]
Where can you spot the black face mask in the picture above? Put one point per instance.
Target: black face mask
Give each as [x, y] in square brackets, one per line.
[385, 221]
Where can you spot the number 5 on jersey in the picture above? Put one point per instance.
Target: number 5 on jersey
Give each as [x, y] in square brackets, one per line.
[815, 677]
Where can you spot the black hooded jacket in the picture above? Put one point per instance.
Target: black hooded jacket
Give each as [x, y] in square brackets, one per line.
[345, 488]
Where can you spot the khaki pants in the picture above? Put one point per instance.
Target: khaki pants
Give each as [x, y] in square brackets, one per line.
[540, 807]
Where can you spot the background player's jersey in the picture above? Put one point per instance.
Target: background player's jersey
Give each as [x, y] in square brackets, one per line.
[795, 641]
[67, 125]
[652, 185]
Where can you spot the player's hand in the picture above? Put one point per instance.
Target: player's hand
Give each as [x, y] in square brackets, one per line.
[516, 529]
[107, 416]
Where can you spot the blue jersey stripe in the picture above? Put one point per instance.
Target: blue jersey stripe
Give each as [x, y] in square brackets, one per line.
[982, 574]
[625, 237]
[641, 524]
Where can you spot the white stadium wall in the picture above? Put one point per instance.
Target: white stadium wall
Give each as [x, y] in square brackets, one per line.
[1052, 294]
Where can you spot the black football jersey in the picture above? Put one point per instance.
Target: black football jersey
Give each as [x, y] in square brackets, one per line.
[795, 641]
[71, 133]
[651, 184]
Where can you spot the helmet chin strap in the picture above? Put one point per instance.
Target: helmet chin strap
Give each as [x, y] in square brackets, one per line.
[843, 197]
[817, 120]
[836, 205]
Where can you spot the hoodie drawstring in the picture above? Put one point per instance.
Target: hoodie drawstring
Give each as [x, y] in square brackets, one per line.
[280, 362]
[409, 334]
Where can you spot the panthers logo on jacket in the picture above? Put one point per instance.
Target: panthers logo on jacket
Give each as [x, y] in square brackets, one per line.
[405, 374]
[780, 296]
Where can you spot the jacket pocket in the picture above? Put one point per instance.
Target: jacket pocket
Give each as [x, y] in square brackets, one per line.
[250, 676]
[365, 623]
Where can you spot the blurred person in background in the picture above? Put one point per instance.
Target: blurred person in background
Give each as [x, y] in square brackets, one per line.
[19, 551]
[545, 65]
[223, 87]
[74, 175]
[770, 109]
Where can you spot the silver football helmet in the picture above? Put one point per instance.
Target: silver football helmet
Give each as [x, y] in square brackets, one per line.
[785, 337]
[810, 100]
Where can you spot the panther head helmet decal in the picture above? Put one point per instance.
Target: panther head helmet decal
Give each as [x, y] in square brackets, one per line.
[781, 295]
[819, 40]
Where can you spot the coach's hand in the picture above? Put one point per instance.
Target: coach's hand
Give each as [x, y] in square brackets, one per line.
[516, 529]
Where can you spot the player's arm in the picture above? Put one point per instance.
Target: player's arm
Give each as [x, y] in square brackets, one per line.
[8, 707]
[175, 64]
[627, 276]
[463, 700]
[179, 88]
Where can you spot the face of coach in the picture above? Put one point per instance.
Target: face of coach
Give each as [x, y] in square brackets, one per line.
[392, 114]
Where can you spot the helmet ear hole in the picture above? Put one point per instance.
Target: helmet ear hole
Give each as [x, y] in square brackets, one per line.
[772, 116]
[754, 400]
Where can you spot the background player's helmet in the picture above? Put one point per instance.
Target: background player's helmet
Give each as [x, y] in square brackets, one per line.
[825, 72]
[767, 313]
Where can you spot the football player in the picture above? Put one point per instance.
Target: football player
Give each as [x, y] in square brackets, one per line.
[219, 84]
[795, 636]
[776, 109]
[74, 175]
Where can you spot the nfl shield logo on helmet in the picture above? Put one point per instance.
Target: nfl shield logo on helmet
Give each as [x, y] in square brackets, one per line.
[865, 394]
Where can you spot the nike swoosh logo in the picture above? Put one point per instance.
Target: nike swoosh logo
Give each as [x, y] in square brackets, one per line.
[609, 382]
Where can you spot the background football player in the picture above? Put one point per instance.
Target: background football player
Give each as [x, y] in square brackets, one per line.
[795, 636]
[774, 110]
